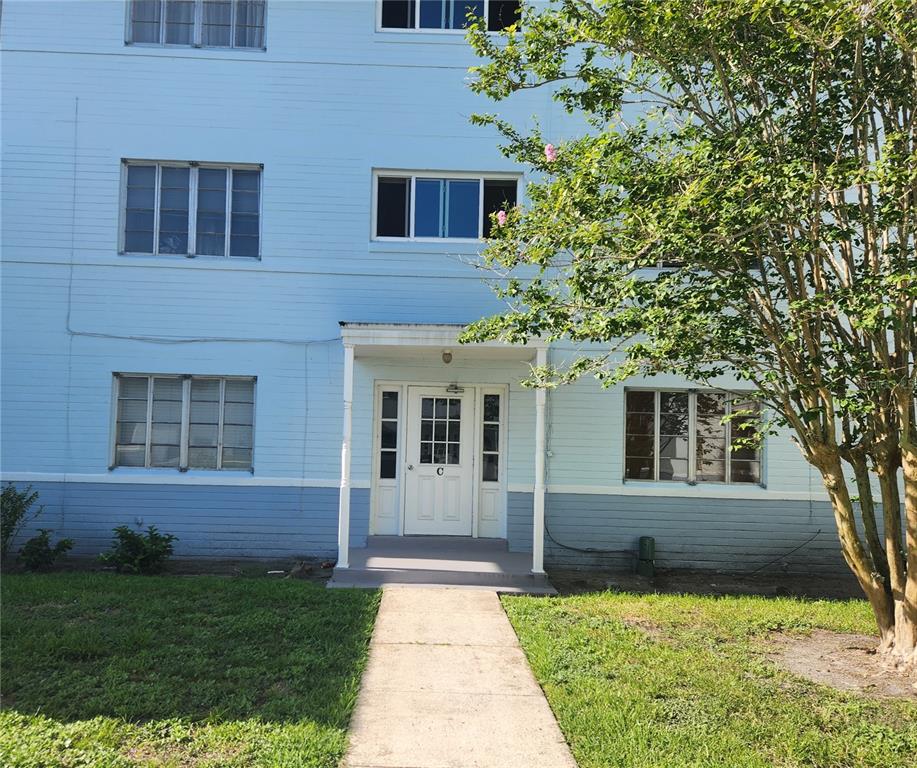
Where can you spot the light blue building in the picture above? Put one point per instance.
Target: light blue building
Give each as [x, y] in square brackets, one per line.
[237, 241]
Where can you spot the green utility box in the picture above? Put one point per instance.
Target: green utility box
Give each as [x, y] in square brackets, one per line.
[646, 556]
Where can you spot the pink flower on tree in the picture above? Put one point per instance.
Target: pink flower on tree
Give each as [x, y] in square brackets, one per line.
[550, 153]
[501, 218]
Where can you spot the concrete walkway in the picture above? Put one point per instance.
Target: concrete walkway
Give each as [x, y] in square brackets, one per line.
[447, 686]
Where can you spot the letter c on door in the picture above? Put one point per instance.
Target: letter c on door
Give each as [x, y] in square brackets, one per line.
[439, 471]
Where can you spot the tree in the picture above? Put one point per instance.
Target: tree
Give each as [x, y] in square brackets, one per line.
[741, 198]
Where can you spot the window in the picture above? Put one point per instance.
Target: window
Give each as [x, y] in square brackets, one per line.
[193, 210]
[440, 206]
[440, 430]
[680, 435]
[184, 422]
[198, 23]
[388, 439]
[446, 14]
[490, 444]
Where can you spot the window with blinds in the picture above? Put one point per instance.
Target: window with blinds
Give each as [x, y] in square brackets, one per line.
[198, 23]
[191, 209]
[184, 422]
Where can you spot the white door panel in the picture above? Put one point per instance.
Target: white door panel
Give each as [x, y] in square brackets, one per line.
[439, 462]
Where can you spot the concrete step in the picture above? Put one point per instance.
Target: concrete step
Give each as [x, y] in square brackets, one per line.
[375, 578]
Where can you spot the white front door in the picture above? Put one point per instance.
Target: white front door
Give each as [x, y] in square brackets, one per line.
[438, 477]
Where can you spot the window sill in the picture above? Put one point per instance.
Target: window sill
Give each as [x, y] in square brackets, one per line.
[183, 258]
[171, 47]
[700, 488]
[177, 473]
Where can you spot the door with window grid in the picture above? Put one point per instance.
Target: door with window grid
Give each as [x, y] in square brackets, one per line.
[438, 462]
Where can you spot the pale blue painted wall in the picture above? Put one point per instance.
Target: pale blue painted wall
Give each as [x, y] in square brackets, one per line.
[329, 100]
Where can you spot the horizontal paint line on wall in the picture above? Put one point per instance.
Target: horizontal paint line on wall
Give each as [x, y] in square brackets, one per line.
[677, 490]
[174, 478]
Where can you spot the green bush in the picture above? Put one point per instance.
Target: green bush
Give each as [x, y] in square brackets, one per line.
[15, 509]
[136, 552]
[37, 553]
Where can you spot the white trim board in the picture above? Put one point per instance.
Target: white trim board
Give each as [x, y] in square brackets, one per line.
[175, 478]
[673, 491]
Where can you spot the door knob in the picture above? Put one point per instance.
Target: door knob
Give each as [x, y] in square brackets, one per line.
[410, 466]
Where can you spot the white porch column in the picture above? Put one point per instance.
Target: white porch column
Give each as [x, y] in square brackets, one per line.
[541, 359]
[344, 506]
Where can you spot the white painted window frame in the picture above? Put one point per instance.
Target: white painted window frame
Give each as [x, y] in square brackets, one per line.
[427, 30]
[198, 33]
[481, 177]
[692, 438]
[192, 207]
[184, 438]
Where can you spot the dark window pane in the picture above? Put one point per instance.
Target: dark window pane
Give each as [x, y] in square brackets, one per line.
[491, 407]
[389, 405]
[462, 208]
[250, 23]
[455, 408]
[433, 14]
[640, 423]
[499, 194]
[746, 471]
[637, 446]
[387, 465]
[426, 429]
[439, 431]
[491, 437]
[455, 431]
[393, 207]
[461, 9]
[491, 467]
[428, 208]
[145, 21]
[642, 402]
[440, 407]
[439, 453]
[502, 14]
[138, 242]
[211, 212]
[638, 469]
[426, 453]
[673, 402]
[452, 453]
[243, 246]
[426, 407]
[217, 22]
[173, 210]
[398, 14]
[179, 22]
[389, 434]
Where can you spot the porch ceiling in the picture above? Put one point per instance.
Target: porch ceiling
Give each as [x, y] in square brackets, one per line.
[388, 340]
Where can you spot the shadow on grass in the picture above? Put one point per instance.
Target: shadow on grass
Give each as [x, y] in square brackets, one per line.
[78, 646]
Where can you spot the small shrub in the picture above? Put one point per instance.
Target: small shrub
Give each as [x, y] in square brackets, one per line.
[136, 552]
[15, 506]
[37, 553]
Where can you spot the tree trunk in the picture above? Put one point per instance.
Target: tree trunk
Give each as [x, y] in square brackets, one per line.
[906, 617]
[856, 556]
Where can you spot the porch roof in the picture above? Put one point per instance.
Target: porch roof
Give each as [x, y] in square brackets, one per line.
[388, 339]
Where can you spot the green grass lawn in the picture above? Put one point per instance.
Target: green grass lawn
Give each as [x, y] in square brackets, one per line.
[105, 670]
[674, 681]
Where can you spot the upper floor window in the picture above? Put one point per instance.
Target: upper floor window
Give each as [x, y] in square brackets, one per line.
[198, 23]
[679, 435]
[446, 14]
[426, 206]
[184, 422]
[191, 209]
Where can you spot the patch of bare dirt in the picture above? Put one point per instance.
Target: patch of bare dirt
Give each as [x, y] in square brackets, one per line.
[843, 661]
